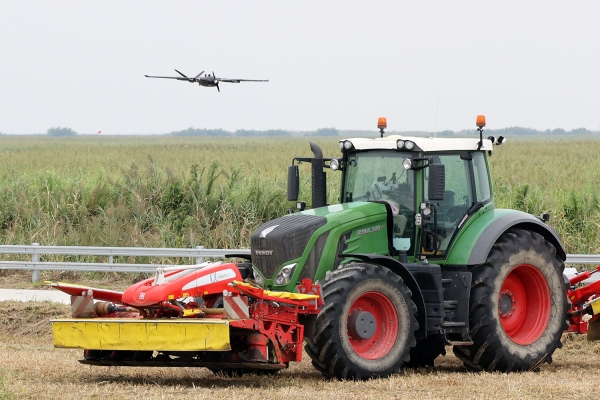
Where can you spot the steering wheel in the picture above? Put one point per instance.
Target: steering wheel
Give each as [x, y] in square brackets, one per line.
[455, 213]
[398, 195]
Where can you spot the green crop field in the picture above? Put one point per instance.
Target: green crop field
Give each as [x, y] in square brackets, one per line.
[158, 191]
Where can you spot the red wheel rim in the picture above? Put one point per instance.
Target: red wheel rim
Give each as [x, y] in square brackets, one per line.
[524, 304]
[386, 325]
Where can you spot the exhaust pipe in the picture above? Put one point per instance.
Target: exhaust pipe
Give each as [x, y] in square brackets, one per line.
[319, 180]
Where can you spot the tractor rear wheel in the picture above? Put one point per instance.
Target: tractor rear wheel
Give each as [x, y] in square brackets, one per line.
[518, 305]
[367, 326]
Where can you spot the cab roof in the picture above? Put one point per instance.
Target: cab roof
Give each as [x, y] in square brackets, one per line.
[426, 144]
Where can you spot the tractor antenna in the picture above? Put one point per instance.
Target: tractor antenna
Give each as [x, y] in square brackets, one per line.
[437, 109]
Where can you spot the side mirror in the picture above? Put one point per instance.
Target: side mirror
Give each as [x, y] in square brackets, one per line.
[293, 183]
[437, 182]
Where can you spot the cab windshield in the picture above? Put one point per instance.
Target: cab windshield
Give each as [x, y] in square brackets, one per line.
[379, 175]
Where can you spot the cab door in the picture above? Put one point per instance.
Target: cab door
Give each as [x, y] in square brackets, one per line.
[466, 184]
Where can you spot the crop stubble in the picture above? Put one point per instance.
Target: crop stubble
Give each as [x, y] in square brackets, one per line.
[31, 368]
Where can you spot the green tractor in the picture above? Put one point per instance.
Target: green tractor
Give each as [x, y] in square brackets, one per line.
[414, 258]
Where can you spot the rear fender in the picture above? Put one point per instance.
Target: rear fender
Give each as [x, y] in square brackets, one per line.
[477, 238]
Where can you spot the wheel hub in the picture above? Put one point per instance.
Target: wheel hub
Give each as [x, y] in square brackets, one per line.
[506, 304]
[361, 325]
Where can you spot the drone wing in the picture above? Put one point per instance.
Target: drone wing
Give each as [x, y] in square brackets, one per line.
[183, 77]
[168, 77]
[241, 80]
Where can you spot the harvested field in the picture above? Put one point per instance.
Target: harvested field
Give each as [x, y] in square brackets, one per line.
[30, 367]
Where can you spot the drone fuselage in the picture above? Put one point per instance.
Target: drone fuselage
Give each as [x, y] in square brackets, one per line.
[207, 81]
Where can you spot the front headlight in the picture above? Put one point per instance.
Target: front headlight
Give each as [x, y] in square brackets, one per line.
[334, 165]
[285, 275]
[258, 278]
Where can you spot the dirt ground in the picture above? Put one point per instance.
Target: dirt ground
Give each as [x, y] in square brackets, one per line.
[30, 367]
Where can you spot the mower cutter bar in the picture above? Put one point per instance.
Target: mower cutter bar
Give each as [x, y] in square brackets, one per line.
[104, 362]
[142, 334]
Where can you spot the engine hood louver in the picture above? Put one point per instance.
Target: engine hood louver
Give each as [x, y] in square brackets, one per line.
[281, 240]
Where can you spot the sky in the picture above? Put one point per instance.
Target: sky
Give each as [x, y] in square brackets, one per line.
[424, 65]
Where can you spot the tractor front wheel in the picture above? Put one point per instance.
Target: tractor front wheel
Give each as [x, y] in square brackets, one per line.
[518, 305]
[366, 328]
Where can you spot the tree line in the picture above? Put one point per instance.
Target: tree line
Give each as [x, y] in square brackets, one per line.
[251, 133]
[191, 131]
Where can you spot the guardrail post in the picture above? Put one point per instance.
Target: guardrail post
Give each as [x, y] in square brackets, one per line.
[35, 257]
[199, 260]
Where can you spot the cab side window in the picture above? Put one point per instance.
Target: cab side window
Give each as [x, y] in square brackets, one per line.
[458, 183]
[458, 197]
[482, 180]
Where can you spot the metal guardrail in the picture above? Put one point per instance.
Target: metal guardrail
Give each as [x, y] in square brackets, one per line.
[583, 259]
[35, 250]
[198, 253]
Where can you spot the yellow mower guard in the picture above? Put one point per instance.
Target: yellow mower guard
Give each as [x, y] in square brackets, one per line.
[138, 334]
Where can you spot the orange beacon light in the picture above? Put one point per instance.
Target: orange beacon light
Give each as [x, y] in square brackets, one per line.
[381, 124]
[480, 121]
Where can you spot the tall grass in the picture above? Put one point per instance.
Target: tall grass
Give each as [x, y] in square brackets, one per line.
[151, 192]
[561, 178]
[185, 192]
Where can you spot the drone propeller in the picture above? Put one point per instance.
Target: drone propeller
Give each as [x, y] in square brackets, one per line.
[216, 81]
[192, 80]
[181, 74]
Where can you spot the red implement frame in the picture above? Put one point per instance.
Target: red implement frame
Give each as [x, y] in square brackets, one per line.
[580, 298]
[276, 319]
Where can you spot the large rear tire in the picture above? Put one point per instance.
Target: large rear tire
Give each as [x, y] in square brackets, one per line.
[518, 305]
[366, 328]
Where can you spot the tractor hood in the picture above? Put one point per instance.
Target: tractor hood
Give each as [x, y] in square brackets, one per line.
[347, 211]
[293, 236]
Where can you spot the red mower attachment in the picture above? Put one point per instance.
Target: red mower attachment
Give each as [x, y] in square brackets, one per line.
[585, 301]
[201, 315]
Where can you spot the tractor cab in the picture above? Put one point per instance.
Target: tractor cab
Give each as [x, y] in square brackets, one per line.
[430, 185]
